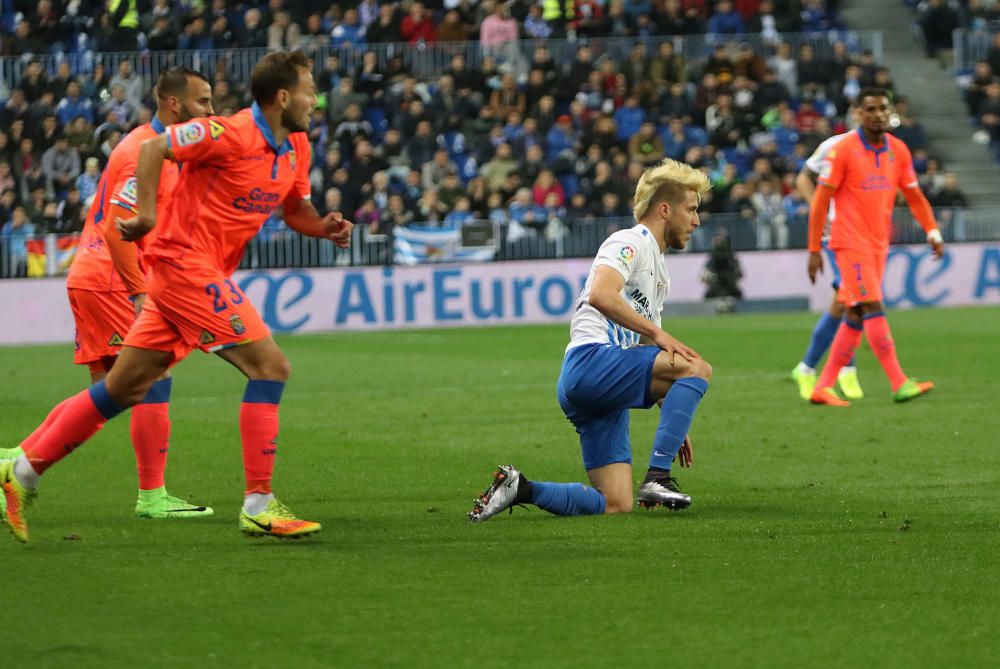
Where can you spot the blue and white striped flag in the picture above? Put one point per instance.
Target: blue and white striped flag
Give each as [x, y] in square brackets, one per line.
[413, 245]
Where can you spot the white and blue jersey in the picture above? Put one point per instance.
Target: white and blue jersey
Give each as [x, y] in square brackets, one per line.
[819, 164]
[635, 255]
[605, 371]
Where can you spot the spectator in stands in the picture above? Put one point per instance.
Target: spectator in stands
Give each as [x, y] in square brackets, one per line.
[725, 20]
[8, 182]
[74, 105]
[71, 212]
[772, 232]
[34, 206]
[25, 159]
[86, 183]
[34, 81]
[61, 166]
[387, 28]
[646, 146]
[949, 204]
[254, 34]
[629, 118]
[812, 75]
[421, 147]
[989, 112]
[47, 133]
[15, 234]
[975, 92]
[131, 83]
[430, 209]
[97, 84]
[196, 36]
[349, 32]
[544, 186]
[460, 215]
[535, 27]
[162, 36]
[395, 214]
[502, 163]
[418, 26]
[434, 171]
[21, 42]
[498, 36]
[119, 109]
[937, 22]
[526, 217]
[508, 98]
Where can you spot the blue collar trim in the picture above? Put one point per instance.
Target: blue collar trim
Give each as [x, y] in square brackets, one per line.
[869, 147]
[265, 129]
[157, 125]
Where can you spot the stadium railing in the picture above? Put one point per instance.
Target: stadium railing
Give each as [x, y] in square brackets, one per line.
[51, 255]
[427, 60]
[970, 46]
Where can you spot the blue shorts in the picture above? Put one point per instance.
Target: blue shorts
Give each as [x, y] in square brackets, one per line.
[834, 269]
[598, 384]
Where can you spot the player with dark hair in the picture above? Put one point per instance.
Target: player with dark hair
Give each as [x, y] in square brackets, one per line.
[237, 171]
[107, 288]
[861, 176]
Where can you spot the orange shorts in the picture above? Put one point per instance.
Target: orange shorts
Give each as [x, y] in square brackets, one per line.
[194, 307]
[861, 275]
[102, 321]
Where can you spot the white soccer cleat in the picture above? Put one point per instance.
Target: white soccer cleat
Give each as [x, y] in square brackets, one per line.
[499, 496]
[662, 492]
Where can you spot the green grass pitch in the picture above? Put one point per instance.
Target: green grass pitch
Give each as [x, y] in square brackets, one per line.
[817, 537]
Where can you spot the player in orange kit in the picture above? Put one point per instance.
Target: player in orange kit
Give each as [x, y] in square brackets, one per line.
[237, 170]
[861, 175]
[107, 287]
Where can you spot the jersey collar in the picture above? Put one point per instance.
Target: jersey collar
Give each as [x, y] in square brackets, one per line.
[157, 125]
[265, 129]
[869, 147]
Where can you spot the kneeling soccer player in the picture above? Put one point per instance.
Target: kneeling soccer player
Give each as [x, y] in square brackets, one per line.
[619, 358]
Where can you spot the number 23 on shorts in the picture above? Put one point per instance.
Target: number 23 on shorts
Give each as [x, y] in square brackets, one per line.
[219, 303]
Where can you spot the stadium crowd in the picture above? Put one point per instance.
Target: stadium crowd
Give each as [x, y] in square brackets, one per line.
[520, 139]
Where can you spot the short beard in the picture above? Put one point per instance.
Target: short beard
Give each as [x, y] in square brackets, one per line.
[290, 123]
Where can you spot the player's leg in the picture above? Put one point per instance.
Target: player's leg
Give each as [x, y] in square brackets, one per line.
[879, 336]
[859, 278]
[681, 384]
[79, 419]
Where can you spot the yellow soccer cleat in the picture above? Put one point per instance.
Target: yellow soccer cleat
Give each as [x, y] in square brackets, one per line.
[13, 499]
[912, 389]
[847, 379]
[277, 520]
[806, 380]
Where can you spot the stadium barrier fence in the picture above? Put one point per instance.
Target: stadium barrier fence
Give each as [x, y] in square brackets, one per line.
[51, 255]
[969, 46]
[430, 60]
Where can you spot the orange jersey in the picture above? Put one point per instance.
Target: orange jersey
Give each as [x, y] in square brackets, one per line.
[93, 269]
[234, 176]
[865, 180]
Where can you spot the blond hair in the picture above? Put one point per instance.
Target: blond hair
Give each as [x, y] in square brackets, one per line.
[667, 181]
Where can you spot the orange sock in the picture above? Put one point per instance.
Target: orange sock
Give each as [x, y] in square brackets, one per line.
[150, 429]
[259, 433]
[83, 414]
[880, 339]
[29, 442]
[841, 351]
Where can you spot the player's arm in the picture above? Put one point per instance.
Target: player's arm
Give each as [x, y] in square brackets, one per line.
[148, 169]
[606, 297]
[805, 183]
[301, 216]
[124, 254]
[918, 203]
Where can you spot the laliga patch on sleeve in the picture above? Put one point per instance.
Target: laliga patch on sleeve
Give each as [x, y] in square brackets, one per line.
[128, 195]
[189, 133]
[626, 254]
[826, 170]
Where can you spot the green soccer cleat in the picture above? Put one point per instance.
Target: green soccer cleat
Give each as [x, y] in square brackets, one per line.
[14, 497]
[806, 380]
[277, 520]
[849, 384]
[159, 505]
[11, 453]
[912, 389]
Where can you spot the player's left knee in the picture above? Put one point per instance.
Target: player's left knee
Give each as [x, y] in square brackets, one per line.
[703, 370]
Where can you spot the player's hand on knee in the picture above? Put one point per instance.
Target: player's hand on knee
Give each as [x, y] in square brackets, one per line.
[673, 347]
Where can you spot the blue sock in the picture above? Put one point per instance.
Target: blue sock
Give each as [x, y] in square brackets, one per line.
[159, 392]
[102, 400]
[567, 499]
[675, 419]
[822, 337]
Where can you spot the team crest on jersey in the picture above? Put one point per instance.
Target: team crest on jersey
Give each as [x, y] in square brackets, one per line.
[236, 323]
[626, 254]
[206, 337]
[215, 129]
[190, 133]
[116, 339]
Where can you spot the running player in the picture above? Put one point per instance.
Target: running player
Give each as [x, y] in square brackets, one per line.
[861, 176]
[107, 287]
[237, 170]
[804, 374]
[619, 358]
